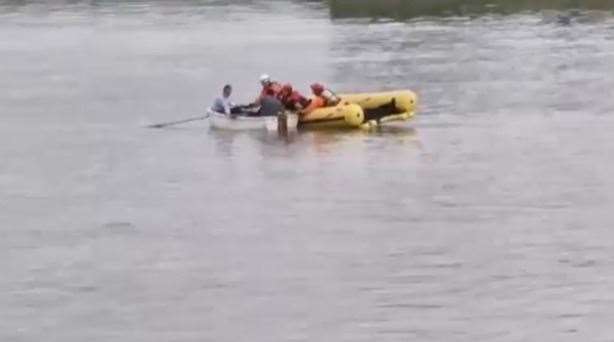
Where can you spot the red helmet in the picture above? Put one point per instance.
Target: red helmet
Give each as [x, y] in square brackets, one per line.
[317, 88]
[286, 89]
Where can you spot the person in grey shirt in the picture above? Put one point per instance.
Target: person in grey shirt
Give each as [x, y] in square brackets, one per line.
[270, 105]
[223, 104]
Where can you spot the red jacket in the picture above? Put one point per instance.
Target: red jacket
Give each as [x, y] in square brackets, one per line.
[272, 89]
[294, 100]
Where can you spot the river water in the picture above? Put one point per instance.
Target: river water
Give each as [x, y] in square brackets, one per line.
[488, 218]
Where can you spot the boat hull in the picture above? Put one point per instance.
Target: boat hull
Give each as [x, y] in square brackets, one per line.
[364, 110]
[222, 121]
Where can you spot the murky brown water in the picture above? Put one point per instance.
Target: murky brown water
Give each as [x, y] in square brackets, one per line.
[487, 219]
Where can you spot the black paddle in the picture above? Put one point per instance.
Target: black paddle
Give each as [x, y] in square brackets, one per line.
[166, 124]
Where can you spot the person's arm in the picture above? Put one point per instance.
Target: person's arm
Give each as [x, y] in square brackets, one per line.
[331, 98]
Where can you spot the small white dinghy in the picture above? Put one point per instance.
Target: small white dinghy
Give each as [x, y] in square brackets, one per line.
[246, 123]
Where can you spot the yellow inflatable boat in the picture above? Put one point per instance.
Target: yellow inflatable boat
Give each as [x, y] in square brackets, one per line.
[364, 110]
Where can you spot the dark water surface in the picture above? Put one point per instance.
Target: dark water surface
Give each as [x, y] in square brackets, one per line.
[403, 9]
[489, 218]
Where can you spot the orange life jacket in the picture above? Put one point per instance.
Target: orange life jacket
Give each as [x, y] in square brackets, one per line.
[316, 102]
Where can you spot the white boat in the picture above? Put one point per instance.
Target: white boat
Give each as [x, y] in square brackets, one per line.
[245, 123]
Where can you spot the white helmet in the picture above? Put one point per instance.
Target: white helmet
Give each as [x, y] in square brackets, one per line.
[265, 79]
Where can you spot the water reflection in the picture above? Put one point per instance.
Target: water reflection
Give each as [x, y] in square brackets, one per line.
[400, 9]
[233, 144]
[224, 142]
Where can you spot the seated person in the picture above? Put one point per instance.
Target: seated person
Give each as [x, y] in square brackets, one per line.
[323, 97]
[269, 105]
[268, 86]
[292, 99]
[223, 104]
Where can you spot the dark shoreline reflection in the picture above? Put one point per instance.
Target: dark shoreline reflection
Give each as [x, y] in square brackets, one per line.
[407, 9]
[339, 9]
